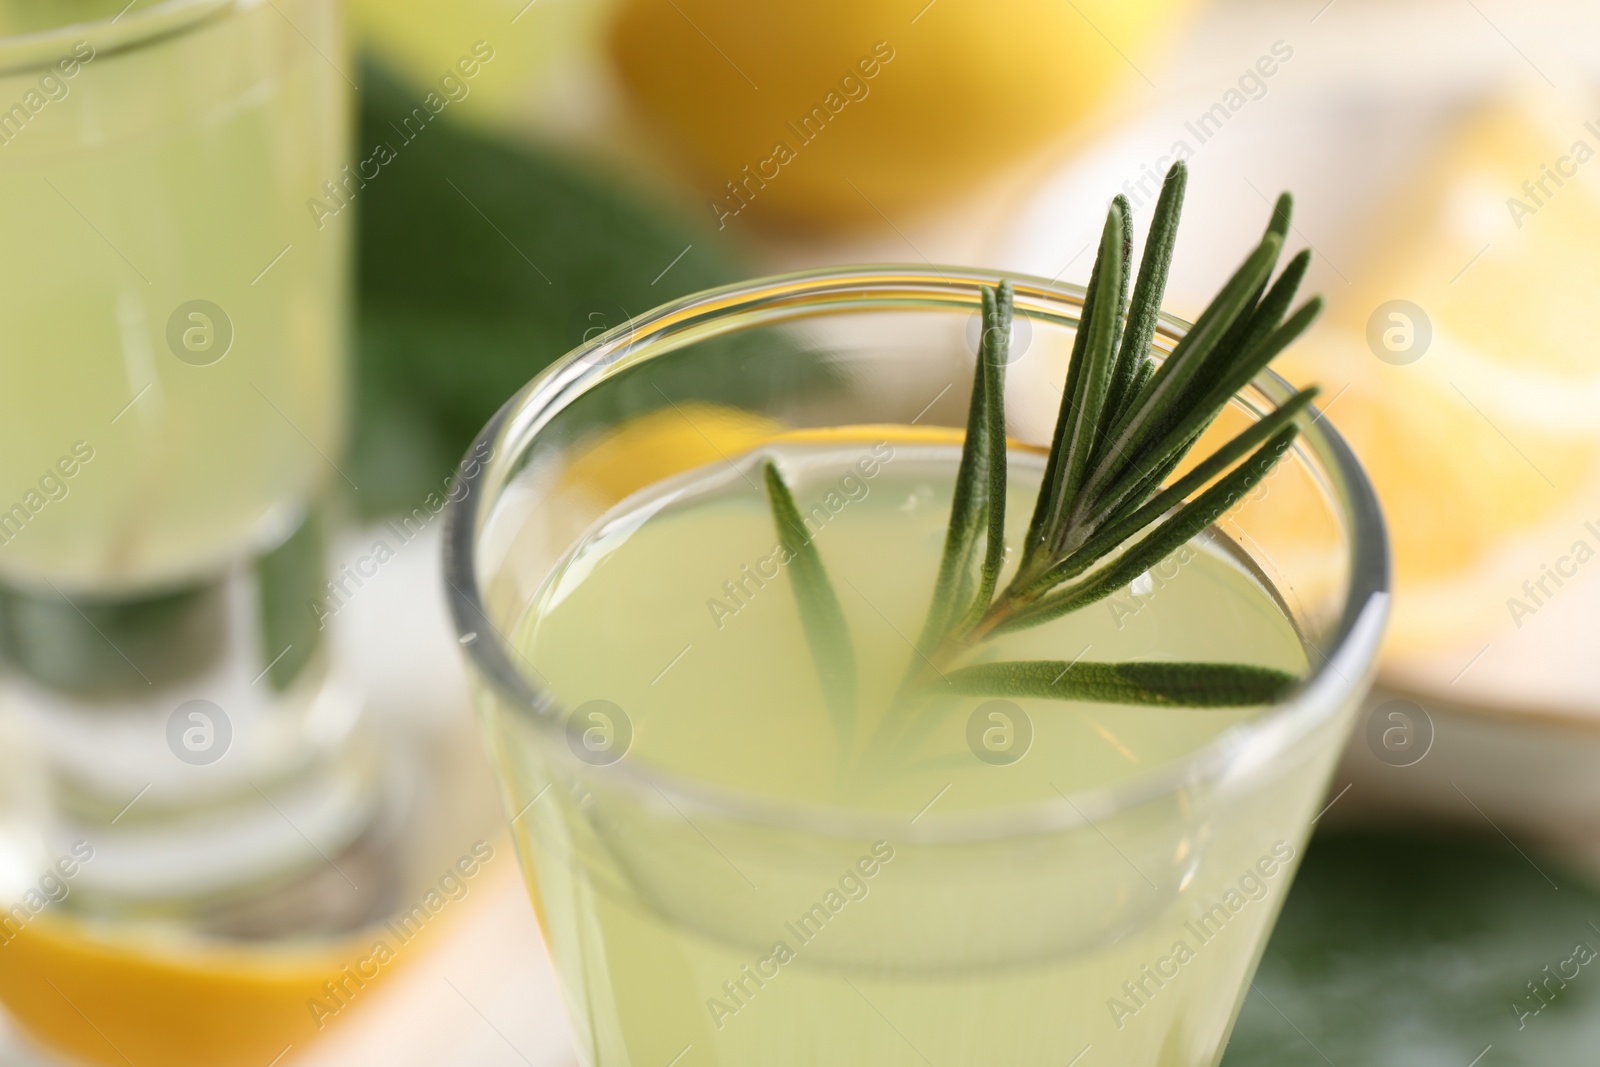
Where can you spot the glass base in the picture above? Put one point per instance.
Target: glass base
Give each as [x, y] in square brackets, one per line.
[202, 762]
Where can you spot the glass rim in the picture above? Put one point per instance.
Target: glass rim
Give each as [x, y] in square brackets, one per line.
[36, 49]
[1345, 665]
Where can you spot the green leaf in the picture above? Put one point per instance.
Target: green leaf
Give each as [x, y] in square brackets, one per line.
[1237, 337]
[992, 356]
[1134, 365]
[1141, 380]
[1113, 535]
[453, 318]
[1265, 351]
[1244, 352]
[1161, 542]
[1159, 406]
[1050, 510]
[1379, 903]
[1211, 466]
[978, 478]
[1083, 435]
[1272, 307]
[821, 617]
[1282, 216]
[1165, 455]
[1199, 685]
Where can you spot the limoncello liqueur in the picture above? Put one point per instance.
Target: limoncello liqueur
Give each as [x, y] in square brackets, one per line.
[171, 310]
[672, 631]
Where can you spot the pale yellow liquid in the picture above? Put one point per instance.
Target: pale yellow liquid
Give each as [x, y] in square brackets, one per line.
[1004, 948]
[168, 172]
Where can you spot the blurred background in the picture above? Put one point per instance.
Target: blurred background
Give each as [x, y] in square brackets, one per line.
[457, 194]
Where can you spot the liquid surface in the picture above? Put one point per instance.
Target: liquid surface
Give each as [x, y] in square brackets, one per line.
[679, 611]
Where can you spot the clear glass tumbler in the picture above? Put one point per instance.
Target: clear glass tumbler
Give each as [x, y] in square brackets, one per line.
[693, 923]
[173, 406]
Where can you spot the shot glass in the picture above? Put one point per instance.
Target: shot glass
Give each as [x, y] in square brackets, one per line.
[173, 319]
[695, 922]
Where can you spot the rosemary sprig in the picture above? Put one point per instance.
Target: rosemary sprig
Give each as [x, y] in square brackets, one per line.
[1106, 511]
[1102, 518]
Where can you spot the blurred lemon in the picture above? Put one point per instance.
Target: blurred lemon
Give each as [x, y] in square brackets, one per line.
[655, 446]
[652, 447]
[841, 109]
[1471, 380]
[114, 998]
